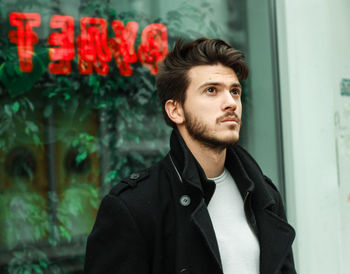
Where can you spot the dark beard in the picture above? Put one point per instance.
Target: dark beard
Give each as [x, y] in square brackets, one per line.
[198, 131]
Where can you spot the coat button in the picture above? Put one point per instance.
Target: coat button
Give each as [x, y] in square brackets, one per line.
[134, 176]
[185, 271]
[185, 200]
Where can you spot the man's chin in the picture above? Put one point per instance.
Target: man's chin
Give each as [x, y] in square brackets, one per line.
[230, 142]
[230, 138]
[220, 143]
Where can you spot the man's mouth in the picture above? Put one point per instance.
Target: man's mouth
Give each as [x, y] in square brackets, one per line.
[230, 121]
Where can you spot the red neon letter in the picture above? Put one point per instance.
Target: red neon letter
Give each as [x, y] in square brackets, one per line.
[92, 46]
[122, 46]
[24, 37]
[65, 39]
[153, 47]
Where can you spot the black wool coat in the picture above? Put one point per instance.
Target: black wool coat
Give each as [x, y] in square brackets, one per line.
[157, 222]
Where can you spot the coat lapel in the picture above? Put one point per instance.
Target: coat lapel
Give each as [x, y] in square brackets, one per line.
[276, 238]
[201, 219]
[191, 175]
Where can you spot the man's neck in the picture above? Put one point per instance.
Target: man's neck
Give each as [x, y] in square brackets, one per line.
[211, 160]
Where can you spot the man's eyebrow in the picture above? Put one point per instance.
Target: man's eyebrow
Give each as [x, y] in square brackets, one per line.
[234, 85]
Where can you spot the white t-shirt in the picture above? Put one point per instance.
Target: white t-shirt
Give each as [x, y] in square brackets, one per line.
[238, 245]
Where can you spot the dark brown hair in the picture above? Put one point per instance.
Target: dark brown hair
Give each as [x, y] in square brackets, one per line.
[172, 78]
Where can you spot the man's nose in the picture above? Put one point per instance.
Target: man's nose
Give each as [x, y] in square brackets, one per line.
[229, 101]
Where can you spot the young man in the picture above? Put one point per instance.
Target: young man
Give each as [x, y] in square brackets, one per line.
[206, 207]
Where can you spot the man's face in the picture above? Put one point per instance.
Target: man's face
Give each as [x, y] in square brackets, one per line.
[213, 108]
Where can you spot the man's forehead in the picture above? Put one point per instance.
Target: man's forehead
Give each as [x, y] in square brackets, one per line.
[212, 73]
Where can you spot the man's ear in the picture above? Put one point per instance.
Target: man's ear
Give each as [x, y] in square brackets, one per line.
[175, 111]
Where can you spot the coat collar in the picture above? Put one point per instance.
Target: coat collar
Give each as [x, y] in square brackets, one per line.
[248, 176]
[188, 168]
[238, 162]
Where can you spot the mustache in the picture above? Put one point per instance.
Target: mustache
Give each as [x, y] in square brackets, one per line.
[229, 115]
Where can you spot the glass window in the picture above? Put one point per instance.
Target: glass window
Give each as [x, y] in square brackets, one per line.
[79, 111]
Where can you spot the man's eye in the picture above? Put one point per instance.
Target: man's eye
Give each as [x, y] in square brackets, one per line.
[210, 90]
[235, 91]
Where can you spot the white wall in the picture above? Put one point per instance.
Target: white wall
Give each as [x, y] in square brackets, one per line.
[314, 53]
[341, 66]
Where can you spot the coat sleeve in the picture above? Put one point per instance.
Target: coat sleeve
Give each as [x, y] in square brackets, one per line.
[115, 244]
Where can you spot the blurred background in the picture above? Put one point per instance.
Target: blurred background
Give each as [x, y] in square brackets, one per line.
[79, 111]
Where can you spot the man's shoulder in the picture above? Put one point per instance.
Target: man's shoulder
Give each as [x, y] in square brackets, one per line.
[143, 184]
[131, 182]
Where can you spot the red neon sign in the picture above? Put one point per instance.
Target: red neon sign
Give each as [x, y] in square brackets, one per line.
[64, 53]
[24, 37]
[154, 46]
[92, 46]
[122, 45]
[95, 49]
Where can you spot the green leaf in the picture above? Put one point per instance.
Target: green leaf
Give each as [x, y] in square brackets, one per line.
[37, 269]
[15, 107]
[52, 94]
[86, 136]
[43, 264]
[102, 105]
[8, 110]
[135, 138]
[92, 80]
[150, 86]
[81, 157]
[75, 143]
[30, 104]
[113, 13]
[36, 140]
[48, 111]
[33, 127]
[65, 233]
[110, 176]
[96, 87]
[66, 96]
[138, 157]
